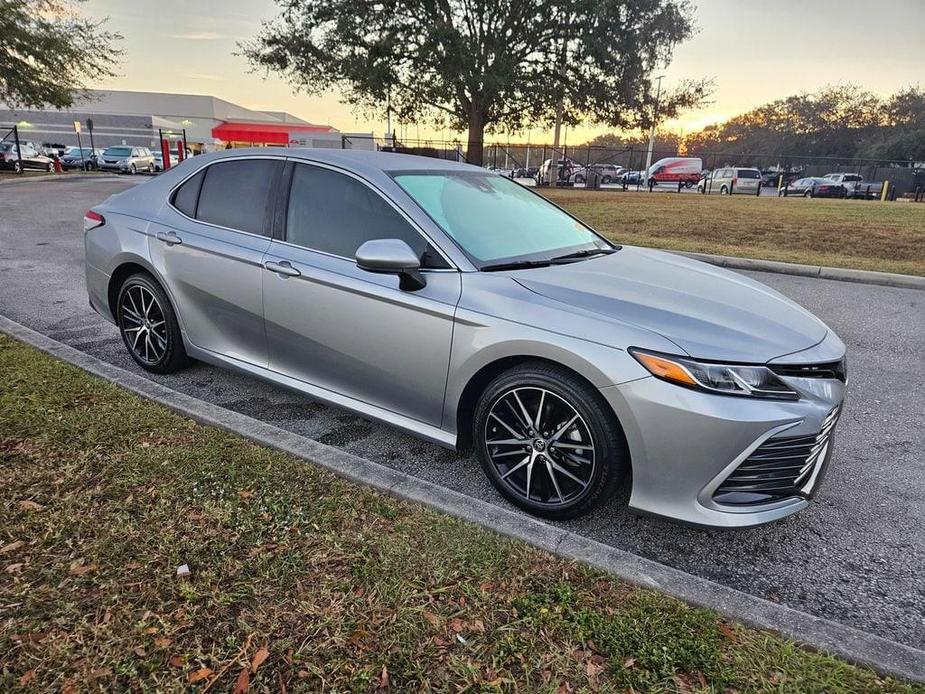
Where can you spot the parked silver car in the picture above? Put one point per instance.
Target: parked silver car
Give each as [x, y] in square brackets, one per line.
[458, 305]
[125, 159]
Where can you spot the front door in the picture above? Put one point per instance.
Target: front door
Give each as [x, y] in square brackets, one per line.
[346, 330]
[209, 244]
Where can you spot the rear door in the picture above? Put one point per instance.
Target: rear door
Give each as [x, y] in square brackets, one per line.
[208, 244]
[347, 330]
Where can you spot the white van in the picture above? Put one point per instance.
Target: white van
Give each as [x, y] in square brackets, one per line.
[674, 169]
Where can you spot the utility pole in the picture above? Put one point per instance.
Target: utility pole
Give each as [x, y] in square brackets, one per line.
[658, 94]
[388, 119]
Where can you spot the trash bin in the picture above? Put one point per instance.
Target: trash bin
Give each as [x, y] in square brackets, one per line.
[593, 179]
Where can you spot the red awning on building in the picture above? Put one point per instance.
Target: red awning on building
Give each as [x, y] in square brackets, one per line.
[264, 133]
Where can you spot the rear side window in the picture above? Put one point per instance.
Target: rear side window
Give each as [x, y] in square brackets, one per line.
[187, 195]
[749, 173]
[237, 194]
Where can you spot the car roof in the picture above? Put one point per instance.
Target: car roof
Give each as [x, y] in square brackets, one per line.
[361, 161]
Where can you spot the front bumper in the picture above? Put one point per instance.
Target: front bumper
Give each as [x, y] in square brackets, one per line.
[684, 444]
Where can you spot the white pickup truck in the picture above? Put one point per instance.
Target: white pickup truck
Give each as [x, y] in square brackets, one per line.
[855, 186]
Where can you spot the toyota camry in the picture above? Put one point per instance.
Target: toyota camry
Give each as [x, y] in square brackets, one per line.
[455, 304]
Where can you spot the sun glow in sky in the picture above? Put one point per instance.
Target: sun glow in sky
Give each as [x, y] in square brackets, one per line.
[755, 51]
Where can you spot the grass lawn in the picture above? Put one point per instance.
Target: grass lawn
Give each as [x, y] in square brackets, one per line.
[300, 581]
[865, 235]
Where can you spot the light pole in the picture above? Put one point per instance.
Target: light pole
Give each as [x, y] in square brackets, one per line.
[658, 94]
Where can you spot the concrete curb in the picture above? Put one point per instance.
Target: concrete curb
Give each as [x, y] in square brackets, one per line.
[886, 279]
[852, 644]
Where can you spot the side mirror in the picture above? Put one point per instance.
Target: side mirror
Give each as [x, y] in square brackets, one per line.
[392, 257]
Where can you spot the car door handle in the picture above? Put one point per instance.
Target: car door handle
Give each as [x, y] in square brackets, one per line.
[283, 267]
[170, 238]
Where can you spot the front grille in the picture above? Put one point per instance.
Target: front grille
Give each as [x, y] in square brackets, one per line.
[834, 369]
[780, 468]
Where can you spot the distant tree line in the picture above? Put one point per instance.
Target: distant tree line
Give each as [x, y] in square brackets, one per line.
[837, 121]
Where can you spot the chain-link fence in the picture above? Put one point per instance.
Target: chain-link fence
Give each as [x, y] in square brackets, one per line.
[525, 160]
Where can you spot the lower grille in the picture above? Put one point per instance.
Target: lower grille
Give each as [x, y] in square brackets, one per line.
[780, 468]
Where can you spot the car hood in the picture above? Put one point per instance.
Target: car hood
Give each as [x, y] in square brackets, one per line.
[710, 313]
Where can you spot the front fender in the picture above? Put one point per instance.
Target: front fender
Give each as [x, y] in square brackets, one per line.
[480, 341]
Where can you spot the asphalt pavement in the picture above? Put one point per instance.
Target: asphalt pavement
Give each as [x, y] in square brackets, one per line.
[855, 556]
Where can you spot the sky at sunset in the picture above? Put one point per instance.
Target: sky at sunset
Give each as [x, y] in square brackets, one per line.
[754, 50]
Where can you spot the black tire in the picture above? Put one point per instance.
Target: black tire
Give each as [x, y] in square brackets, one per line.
[17, 167]
[606, 180]
[166, 358]
[133, 169]
[560, 393]
[724, 191]
[808, 193]
[579, 178]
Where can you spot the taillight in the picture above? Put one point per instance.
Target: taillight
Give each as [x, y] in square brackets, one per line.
[92, 220]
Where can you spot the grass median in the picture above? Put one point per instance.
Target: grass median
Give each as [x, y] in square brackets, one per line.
[864, 235]
[300, 581]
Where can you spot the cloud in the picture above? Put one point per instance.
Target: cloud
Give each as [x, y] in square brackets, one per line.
[199, 36]
[202, 76]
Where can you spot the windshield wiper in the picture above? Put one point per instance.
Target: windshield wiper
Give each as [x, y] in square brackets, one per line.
[515, 265]
[577, 255]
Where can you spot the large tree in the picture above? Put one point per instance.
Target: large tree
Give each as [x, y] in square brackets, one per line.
[49, 52]
[483, 65]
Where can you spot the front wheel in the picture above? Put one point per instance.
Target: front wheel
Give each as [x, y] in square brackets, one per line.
[579, 179]
[548, 442]
[149, 326]
[724, 191]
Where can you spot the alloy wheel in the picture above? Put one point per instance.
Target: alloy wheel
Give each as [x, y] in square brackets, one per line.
[540, 446]
[143, 324]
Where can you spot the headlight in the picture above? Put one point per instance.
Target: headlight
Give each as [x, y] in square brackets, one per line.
[725, 379]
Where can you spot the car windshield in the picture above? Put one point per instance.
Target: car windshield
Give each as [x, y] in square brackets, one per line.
[118, 152]
[492, 218]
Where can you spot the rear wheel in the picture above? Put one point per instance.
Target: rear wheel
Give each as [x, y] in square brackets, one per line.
[605, 180]
[548, 442]
[724, 191]
[149, 326]
[808, 193]
[579, 178]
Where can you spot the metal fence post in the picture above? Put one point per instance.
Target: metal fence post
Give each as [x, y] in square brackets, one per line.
[18, 151]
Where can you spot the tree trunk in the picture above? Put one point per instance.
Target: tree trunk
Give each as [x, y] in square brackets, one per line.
[476, 134]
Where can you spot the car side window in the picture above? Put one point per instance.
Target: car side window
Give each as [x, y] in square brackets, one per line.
[237, 194]
[186, 197]
[335, 213]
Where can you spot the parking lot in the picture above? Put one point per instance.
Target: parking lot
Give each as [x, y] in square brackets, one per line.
[854, 556]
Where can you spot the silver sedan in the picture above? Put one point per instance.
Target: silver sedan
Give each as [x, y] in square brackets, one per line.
[460, 306]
